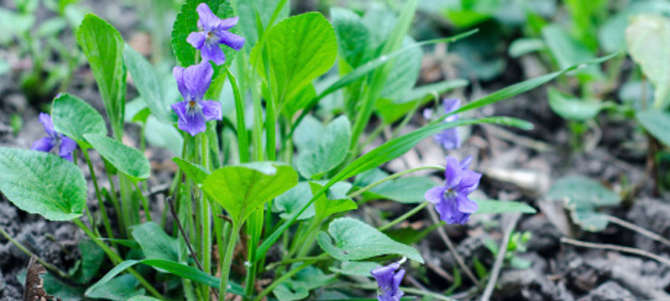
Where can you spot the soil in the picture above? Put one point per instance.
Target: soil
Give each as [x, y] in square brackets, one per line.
[517, 165]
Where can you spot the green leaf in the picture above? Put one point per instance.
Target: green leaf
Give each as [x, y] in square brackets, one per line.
[73, 117]
[493, 207]
[126, 159]
[175, 268]
[143, 298]
[404, 71]
[356, 268]
[352, 35]
[14, 24]
[148, 84]
[322, 148]
[582, 196]
[42, 183]
[566, 50]
[187, 22]
[326, 206]
[572, 108]
[298, 286]
[92, 258]
[391, 110]
[657, 123]
[244, 188]
[407, 190]
[155, 243]
[648, 40]
[120, 288]
[290, 202]
[523, 46]
[164, 135]
[196, 172]
[298, 50]
[580, 191]
[249, 9]
[351, 239]
[103, 46]
[53, 286]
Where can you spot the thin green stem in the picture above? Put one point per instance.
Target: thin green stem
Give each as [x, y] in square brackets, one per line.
[116, 259]
[145, 202]
[101, 203]
[25, 250]
[403, 217]
[257, 130]
[227, 261]
[205, 211]
[392, 177]
[115, 200]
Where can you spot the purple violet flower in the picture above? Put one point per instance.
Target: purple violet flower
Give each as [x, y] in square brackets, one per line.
[449, 137]
[214, 31]
[388, 279]
[451, 200]
[53, 138]
[194, 112]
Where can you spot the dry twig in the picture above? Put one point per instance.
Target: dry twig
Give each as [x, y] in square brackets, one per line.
[617, 248]
[452, 249]
[500, 257]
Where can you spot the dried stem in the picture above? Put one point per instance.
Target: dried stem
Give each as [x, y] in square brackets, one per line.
[617, 248]
[452, 249]
[500, 258]
[187, 241]
[638, 229]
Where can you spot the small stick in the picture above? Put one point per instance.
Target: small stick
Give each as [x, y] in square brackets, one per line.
[452, 249]
[638, 229]
[500, 258]
[617, 248]
[187, 241]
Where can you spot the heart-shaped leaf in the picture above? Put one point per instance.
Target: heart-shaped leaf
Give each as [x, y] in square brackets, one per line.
[42, 183]
[297, 50]
[155, 243]
[572, 108]
[352, 35]
[126, 159]
[648, 40]
[103, 46]
[148, 84]
[120, 288]
[351, 239]
[73, 117]
[657, 123]
[326, 206]
[583, 196]
[321, 148]
[194, 171]
[243, 188]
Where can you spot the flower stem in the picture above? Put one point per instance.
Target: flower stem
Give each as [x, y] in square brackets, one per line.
[101, 204]
[116, 259]
[403, 217]
[227, 261]
[25, 250]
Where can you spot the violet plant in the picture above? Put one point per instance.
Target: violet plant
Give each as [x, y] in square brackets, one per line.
[241, 193]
